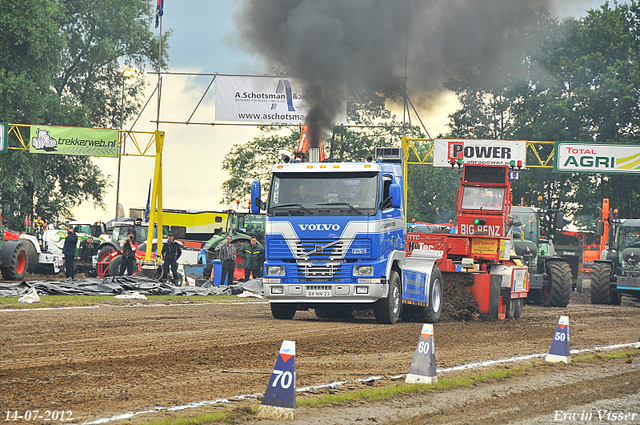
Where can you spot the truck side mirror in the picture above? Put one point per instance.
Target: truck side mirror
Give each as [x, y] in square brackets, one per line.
[256, 203]
[395, 193]
[600, 228]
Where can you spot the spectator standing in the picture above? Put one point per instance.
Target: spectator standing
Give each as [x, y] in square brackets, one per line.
[228, 258]
[86, 253]
[170, 253]
[253, 254]
[128, 256]
[69, 251]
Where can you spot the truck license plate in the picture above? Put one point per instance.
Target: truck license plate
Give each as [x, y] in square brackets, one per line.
[319, 293]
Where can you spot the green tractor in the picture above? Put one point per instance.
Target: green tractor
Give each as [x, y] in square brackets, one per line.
[550, 276]
[617, 271]
[242, 227]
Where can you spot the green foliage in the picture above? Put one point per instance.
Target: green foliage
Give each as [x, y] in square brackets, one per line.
[61, 64]
[578, 82]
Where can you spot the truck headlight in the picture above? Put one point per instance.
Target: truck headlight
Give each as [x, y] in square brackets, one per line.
[275, 270]
[277, 290]
[363, 271]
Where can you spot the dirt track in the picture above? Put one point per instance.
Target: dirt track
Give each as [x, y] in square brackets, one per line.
[99, 362]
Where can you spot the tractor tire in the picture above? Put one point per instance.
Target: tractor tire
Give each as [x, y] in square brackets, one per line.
[601, 283]
[32, 257]
[104, 253]
[387, 310]
[561, 285]
[114, 266]
[17, 267]
[283, 311]
[581, 288]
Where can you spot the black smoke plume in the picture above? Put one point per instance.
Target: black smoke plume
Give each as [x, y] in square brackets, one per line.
[331, 44]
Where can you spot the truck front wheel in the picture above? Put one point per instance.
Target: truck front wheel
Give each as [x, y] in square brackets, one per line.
[284, 311]
[387, 310]
[601, 283]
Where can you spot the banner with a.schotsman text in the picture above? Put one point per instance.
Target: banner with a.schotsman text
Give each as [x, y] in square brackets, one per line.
[267, 100]
[589, 157]
[74, 141]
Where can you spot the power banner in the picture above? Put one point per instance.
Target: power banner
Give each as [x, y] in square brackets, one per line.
[267, 100]
[74, 141]
[4, 137]
[584, 157]
[478, 151]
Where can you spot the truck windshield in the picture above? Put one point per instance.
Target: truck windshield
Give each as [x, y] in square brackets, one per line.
[324, 194]
[486, 198]
[250, 224]
[629, 237]
[528, 229]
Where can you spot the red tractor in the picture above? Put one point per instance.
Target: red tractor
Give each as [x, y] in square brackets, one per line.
[477, 258]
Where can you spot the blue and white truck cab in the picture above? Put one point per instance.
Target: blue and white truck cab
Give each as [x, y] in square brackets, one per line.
[335, 238]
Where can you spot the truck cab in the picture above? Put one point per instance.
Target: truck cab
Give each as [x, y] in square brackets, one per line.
[335, 237]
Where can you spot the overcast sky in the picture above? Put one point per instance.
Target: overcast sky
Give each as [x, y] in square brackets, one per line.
[203, 41]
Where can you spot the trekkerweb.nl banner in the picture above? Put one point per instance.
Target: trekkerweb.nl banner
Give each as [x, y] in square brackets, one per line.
[267, 100]
[74, 141]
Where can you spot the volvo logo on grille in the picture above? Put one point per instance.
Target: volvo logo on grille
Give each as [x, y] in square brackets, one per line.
[319, 248]
[319, 227]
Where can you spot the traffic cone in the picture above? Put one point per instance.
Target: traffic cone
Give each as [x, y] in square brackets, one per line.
[279, 399]
[560, 350]
[423, 366]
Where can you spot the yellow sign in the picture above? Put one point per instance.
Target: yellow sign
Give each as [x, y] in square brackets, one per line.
[484, 246]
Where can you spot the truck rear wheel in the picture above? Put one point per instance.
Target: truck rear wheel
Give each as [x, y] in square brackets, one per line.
[17, 267]
[430, 313]
[560, 293]
[601, 283]
[284, 311]
[387, 310]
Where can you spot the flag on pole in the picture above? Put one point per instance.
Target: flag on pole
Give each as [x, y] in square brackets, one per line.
[159, 11]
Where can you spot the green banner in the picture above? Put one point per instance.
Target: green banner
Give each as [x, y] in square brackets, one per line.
[74, 141]
[4, 137]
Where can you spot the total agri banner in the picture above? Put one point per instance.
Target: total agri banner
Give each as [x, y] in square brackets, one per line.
[268, 100]
[587, 157]
[478, 151]
[74, 141]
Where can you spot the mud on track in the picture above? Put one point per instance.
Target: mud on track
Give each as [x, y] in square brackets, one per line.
[99, 362]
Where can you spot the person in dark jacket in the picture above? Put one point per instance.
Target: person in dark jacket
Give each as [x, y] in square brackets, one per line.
[86, 252]
[228, 258]
[128, 256]
[170, 253]
[253, 254]
[69, 251]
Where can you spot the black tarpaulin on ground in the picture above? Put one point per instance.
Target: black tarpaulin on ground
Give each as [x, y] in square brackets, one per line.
[117, 285]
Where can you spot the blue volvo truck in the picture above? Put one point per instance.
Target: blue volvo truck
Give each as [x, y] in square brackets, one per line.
[335, 242]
